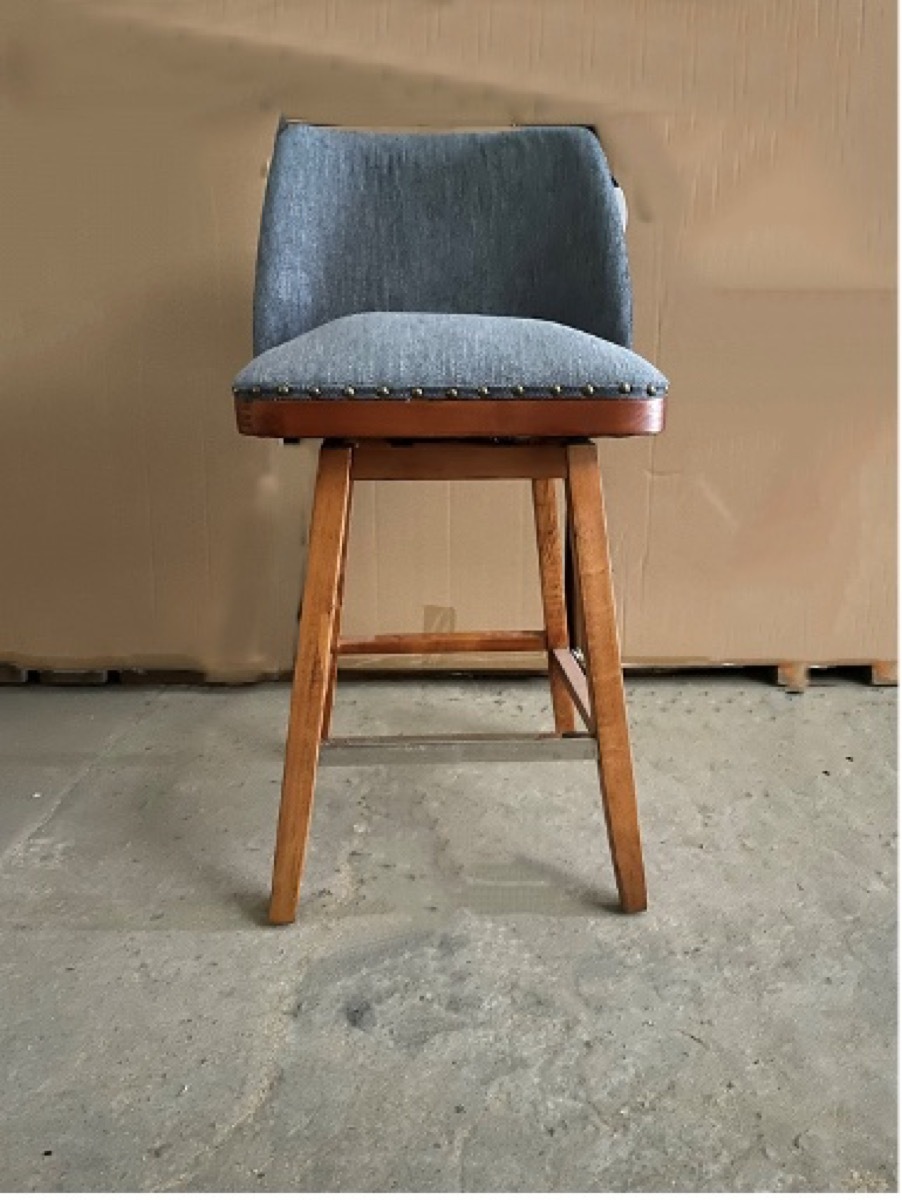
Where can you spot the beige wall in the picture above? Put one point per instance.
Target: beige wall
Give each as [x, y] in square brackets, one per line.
[756, 143]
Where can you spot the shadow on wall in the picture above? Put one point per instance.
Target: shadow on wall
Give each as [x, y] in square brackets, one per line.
[144, 530]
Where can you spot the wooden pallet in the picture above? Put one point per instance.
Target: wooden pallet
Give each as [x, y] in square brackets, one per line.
[791, 676]
[796, 676]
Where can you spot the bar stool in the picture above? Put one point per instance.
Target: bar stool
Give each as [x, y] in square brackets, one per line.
[452, 306]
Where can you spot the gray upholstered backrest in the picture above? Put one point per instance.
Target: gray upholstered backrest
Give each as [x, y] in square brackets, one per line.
[521, 222]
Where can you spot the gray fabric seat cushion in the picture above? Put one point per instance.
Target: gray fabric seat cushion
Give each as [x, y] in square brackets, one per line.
[399, 354]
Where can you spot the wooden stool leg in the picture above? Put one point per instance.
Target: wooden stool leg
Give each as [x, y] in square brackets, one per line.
[605, 673]
[312, 672]
[551, 574]
[336, 630]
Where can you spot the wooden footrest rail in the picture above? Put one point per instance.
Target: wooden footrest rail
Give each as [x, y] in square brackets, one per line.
[445, 643]
[565, 666]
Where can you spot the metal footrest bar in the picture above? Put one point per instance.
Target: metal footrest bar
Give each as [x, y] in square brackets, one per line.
[457, 748]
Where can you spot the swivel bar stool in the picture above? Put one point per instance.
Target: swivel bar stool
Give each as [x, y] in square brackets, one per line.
[452, 306]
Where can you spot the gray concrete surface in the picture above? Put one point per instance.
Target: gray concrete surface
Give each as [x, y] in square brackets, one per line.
[460, 1007]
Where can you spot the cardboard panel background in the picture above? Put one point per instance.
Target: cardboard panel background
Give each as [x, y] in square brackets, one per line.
[756, 144]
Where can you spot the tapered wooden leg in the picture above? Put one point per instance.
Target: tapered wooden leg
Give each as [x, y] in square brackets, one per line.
[572, 598]
[312, 672]
[336, 629]
[605, 673]
[551, 574]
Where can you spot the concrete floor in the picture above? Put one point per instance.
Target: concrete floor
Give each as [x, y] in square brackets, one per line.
[459, 1008]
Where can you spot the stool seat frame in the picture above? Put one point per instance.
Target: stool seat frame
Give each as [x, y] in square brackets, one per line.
[579, 636]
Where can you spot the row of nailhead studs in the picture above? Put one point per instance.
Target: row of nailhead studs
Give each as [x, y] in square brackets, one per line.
[556, 389]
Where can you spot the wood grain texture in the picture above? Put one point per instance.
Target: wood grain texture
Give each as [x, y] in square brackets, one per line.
[572, 597]
[445, 643]
[574, 679]
[604, 674]
[329, 702]
[551, 578]
[328, 533]
[381, 419]
[459, 460]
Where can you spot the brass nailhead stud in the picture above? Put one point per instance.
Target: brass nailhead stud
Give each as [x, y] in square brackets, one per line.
[588, 390]
[452, 393]
[483, 391]
[518, 389]
[556, 389]
[417, 393]
[314, 392]
[625, 389]
[255, 391]
[284, 389]
[384, 391]
[651, 389]
[349, 391]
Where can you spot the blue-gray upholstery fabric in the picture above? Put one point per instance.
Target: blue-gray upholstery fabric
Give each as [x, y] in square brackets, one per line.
[438, 351]
[441, 260]
[519, 223]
